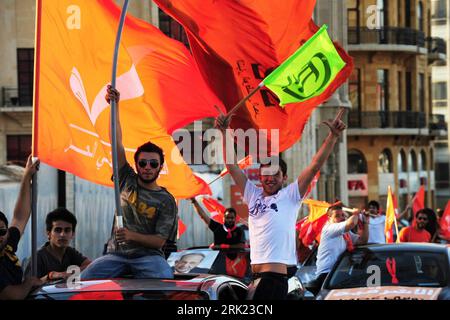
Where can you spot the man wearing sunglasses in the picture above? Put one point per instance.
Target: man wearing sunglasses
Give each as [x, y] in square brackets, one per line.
[11, 285]
[417, 232]
[149, 217]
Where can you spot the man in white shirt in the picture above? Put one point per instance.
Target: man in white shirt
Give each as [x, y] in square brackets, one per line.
[273, 212]
[335, 238]
[376, 224]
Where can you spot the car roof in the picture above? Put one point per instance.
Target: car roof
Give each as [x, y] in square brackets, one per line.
[409, 246]
[187, 284]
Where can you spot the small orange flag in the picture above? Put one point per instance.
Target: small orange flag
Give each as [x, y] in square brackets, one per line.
[390, 217]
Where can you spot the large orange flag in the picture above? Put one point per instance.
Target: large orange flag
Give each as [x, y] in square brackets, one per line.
[238, 43]
[160, 84]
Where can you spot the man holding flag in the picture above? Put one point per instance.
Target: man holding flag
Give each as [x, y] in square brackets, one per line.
[149, 216]
[335, 238]
[273, 212]
[227, 235]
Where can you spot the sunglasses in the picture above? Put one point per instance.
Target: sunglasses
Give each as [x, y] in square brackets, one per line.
[152, 162]
[3, 232]
[423, 219]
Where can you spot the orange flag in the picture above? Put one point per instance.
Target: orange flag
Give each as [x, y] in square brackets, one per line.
[243, 41]
[312, 227]
[157, 78]
[390, 217]
[418, 202]
[444, 223]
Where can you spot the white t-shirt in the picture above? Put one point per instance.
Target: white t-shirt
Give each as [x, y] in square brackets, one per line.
[376, 229]
[332, 245]
[271, 224]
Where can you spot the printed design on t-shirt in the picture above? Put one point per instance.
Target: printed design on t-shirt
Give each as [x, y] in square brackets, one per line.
[9, 252]
[260, 207]
[141, 207]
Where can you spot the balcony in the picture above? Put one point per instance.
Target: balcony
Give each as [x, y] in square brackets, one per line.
[389, 39]
[438, 125]
[11, 101]
[437, 49]
[379, 122]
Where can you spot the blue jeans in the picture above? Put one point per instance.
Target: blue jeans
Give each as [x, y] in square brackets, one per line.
[115, 266]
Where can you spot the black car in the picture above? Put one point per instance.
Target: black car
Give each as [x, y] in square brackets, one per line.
[403, 271]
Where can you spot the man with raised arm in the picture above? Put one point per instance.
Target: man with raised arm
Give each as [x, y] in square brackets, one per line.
[273, 212]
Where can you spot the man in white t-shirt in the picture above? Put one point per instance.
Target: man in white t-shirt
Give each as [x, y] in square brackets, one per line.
[376, 224]
[273, 212]
[335, 238]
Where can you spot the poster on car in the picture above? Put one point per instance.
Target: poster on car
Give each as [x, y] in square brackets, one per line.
[385, 293]
[192, 261]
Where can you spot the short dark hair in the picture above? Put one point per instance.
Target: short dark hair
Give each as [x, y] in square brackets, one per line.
[424, 211]
[281, 163]
[4, 218]
[374, 203]
[58, 215]
[334, 207]
[149, 147]
[232, 210]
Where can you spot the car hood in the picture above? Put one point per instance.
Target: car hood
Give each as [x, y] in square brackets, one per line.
[385, 293]
[122, 285]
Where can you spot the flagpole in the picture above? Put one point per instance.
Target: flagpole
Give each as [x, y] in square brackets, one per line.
[240, 103]
[396, 229]
[115, 160]
[34, 224]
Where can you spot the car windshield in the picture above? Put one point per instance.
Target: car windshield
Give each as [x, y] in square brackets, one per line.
[361, 269]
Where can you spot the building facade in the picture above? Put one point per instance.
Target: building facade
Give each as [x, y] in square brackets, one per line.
[440, 27]
[391, 136]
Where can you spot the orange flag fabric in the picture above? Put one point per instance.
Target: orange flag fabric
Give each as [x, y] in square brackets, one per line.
[238, 43]
[444, 223]
[390, 217]
[311, 228]
[216, 209]
[418, 202]
[157, 78]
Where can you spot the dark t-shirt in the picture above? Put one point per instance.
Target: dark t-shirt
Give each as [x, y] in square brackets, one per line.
[144, 211]
[220, 235]
[10, 270]
[47, 262]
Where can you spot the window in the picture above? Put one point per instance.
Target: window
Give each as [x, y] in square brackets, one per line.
[355, 89]
[384, 13]
[382, 89]
[409, 92]
[172, 28]
[385, 162]
[399, 90]
[423, 161]
[408, 13]
[412, 161]
[421, 92]
[420, 16]
[25, 76]
[440, 94]
[401, 162]
[356, 162]
[439, 10]
[18, 149]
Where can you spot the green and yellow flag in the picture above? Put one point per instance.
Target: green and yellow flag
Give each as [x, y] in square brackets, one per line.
[308, 72]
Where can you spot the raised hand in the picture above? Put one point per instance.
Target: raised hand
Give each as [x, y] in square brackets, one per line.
[337, 126]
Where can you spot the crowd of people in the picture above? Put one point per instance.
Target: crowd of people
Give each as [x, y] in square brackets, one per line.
[141, 246]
